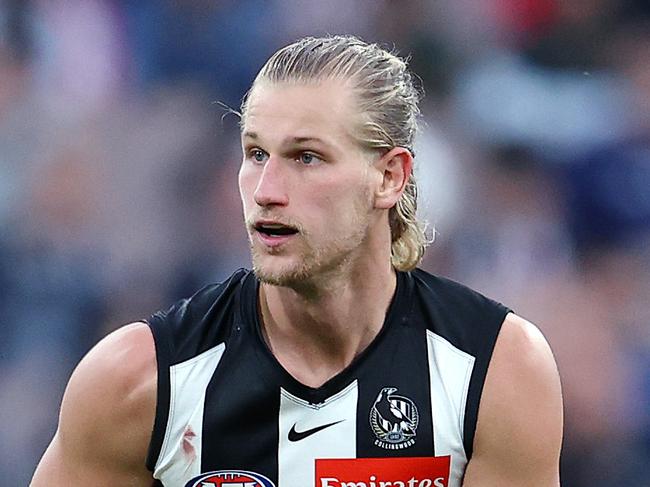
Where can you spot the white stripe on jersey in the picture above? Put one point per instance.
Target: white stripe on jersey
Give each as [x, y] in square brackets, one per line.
[296, 459]
[188, 384]
[450, 370]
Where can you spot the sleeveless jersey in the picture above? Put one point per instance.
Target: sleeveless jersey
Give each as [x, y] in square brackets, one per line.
[402, 414]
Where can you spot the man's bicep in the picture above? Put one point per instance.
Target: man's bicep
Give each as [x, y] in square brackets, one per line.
[519, 430]
[60, 468]
[53, 469]
[106, 416]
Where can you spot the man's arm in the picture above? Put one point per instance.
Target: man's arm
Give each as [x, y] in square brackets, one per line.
[519, 429]
[106, 416]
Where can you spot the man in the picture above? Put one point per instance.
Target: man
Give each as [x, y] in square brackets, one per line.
[336, 362]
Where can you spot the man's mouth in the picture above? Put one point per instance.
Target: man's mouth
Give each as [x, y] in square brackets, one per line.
[275, 229]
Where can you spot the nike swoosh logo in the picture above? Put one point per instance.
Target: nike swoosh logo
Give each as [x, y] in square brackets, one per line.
[301, 435]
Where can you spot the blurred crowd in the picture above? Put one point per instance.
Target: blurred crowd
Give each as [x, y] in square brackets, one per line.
[118, 191]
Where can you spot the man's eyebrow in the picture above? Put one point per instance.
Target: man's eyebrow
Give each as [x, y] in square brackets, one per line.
[297, 141]
[302, 140]
[288, 140]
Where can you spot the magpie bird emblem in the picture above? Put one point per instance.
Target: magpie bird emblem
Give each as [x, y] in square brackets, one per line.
[394, 420]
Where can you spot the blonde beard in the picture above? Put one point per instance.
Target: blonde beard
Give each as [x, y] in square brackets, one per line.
[315, 264]
[318, 263]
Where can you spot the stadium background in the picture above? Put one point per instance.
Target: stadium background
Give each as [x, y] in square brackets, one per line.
[118, 182]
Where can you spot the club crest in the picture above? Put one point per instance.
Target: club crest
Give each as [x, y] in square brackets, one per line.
[230, 478]
[394, 420]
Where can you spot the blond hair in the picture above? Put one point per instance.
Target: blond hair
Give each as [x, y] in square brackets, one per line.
[387, 98]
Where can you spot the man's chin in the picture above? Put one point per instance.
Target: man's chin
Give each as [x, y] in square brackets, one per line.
[281, 275]
[279, 278]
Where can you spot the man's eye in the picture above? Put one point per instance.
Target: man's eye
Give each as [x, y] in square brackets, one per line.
[308, 158]
[258, 155]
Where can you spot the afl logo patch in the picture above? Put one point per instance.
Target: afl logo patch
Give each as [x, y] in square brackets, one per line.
[394, 420]
[230, 478]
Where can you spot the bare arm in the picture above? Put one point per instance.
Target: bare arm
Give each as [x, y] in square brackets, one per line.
[519, 429]
[106, 416]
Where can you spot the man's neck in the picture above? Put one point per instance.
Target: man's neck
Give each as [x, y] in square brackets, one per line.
[318, 334]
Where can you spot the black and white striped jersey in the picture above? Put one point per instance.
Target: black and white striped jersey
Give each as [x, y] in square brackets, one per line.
[402, 414]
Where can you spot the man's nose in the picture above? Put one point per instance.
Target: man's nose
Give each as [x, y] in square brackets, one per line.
[272, 186]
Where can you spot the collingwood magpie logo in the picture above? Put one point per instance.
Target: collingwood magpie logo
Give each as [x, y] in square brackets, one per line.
[394, 419]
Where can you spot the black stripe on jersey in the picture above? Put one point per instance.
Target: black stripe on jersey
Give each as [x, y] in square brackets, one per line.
[478, 380]
[403, 350]
[163, 352]
[240, 427]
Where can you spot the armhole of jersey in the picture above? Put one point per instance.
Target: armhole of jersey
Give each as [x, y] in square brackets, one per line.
[477, 381]
[163, 357]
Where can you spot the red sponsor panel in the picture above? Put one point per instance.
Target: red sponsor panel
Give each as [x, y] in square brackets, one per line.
[383, 472]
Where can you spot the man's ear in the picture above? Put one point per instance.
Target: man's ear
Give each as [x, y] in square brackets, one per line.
[395, 167]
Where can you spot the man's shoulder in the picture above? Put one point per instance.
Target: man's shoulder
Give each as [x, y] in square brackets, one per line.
[109, 404]
[519, 430]
[118, 374]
